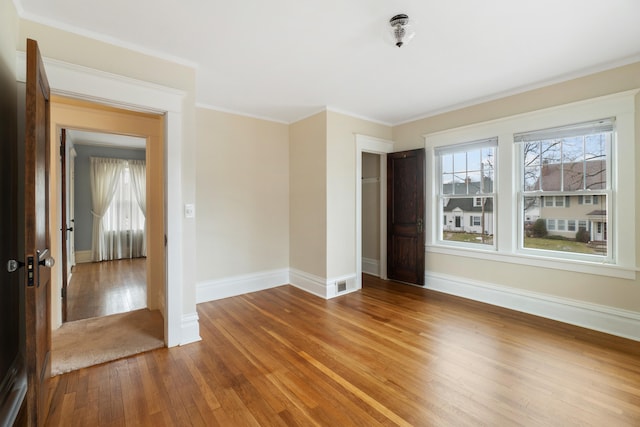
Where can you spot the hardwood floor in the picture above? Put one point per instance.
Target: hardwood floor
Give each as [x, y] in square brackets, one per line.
[390, 354]
[102, 288]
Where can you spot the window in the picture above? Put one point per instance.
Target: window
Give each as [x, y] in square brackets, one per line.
[595, 159]
[561, 165]
[466, 193]
[118, 193]
[124, 212]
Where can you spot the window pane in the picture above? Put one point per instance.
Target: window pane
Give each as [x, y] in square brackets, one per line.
[460, 162]
[447, 183]
[551, 152]
[459, 184]
[596, 175]
[573, 176]
[532, 178]
[531, 208]
[531, 154]
[488, 169]
[447, 163]
[473, 160]
[587, 234]
[468, 221]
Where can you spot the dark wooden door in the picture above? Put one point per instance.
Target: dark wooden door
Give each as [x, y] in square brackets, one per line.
[405, 216]
[37, 273]
[63, 218]
[13, 379]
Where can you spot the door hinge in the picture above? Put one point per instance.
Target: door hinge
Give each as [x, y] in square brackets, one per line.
[61, 151]
[63, 292]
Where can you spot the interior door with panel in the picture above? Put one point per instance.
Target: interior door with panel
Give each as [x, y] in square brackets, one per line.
[405, 216]
[37, 259]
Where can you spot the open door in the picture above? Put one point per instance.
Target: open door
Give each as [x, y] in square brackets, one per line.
[405, 216]
[13, 377]
[65, 229]
[37, 274]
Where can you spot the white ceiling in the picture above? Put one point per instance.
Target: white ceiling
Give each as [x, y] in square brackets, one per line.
[286, 59]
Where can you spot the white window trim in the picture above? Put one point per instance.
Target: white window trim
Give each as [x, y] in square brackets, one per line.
[508, 182]
[456, 148]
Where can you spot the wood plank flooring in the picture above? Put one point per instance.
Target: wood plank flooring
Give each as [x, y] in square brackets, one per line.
[390, 354]
[99, 289]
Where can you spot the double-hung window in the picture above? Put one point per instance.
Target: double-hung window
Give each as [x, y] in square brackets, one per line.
[466, 193]
[566, 180]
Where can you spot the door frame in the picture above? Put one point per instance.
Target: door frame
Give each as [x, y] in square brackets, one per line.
[122, 92]
[382, 147]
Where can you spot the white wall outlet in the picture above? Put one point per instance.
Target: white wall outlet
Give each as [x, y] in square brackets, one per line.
[189, 210]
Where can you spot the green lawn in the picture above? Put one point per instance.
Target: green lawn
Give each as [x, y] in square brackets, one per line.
[468, 237]
[557, 245]
[529, 242]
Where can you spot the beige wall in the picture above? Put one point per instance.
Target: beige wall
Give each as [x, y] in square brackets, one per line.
[69, 114]
[409, 135]
[242, 176]
[614, 292]
[308, 195]
[76, 49]
[341, 188]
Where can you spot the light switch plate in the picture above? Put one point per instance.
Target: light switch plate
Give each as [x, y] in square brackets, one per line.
[189, 210]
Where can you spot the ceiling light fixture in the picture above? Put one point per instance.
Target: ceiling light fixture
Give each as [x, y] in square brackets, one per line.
[402, 29]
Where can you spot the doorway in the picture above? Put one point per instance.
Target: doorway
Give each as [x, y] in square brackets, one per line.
[160, 102]
[112, 282]
[94, 129]
[380, 148]
[103, 130]
[371, 203]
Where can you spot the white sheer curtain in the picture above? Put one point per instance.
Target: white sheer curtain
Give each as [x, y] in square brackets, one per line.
[138, 171]
[104, 176]
[121, 225]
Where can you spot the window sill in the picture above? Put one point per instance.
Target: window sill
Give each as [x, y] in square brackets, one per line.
[584, 267]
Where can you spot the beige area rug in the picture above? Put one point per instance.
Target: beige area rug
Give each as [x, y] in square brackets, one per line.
[93, 341]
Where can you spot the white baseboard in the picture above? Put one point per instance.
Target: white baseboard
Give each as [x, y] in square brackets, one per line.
[83, 256]
[190, 328]
[371, 266]
[313, 284]
[238, 285]
[319, 286]
[614, 321]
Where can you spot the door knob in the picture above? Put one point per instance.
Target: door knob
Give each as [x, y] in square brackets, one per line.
[13, 265]
[43, 260]
[47, 262]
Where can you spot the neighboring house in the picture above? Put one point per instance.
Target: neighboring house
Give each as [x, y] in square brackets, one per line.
[566, 214]
[469, 215]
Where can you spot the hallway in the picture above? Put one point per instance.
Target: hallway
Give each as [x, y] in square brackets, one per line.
[104, 288]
